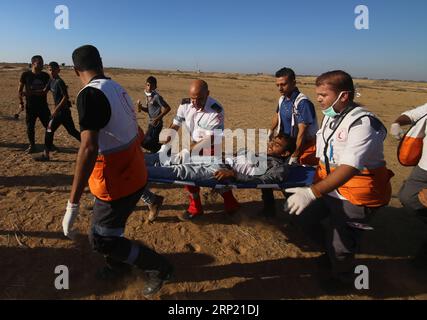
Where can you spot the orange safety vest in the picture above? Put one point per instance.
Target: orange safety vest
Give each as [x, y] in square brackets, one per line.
[119, 174]
[120, 167]
[410, 148]
[370, 188]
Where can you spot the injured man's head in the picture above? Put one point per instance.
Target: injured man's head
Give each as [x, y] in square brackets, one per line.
[282, 145]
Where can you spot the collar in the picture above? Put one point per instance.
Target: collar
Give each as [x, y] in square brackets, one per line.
[347, 109]
[294, 95]
[98, 77]
[152, 94]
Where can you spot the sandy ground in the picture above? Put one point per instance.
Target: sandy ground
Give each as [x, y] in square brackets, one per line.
[216, 257]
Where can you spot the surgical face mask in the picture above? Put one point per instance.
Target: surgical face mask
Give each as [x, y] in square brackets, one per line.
[330, 112]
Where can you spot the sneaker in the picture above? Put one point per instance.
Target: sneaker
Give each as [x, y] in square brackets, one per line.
[155, 208]
[154, 281]
[31, 149]
[187, 216]
[42, 158]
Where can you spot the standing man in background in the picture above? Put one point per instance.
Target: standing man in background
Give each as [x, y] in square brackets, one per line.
[34, 82]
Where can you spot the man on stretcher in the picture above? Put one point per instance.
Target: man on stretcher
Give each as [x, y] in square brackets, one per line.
[239, 168]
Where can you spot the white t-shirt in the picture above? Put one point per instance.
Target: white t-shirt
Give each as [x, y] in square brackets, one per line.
[200, 123]
[415, 115]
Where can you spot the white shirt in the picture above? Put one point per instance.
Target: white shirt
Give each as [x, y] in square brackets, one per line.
[201, 123]
[415, 115]
[359, 145]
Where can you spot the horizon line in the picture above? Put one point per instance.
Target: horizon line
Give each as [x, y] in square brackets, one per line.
[223, 72]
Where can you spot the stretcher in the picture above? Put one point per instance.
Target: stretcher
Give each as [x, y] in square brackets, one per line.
[298, 177]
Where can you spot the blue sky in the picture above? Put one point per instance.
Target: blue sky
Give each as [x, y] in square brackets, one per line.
[231, 36]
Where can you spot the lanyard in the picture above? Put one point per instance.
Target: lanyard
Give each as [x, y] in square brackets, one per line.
[333, 126]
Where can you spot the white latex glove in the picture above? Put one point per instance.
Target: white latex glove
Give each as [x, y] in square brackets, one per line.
[70, 216]
[181, 158]
[396, 131]
[164, 148]
[293, 160]
[301, 199]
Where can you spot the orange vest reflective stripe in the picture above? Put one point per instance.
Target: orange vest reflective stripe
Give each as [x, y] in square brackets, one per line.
[370, 188]
[410, 149]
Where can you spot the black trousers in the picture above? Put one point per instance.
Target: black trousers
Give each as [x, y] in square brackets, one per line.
[107, 236]
[341, 238]
[34, 112]
[269, 208]
[151, 139]
[62, 118]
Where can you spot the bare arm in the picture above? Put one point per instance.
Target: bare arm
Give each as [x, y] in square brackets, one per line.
[274, 124]
[169, 138]
[206, 143]
[141, 107]
[302, 129]
[65, 100]
[85, 163]
[21, 93]
[165, 110]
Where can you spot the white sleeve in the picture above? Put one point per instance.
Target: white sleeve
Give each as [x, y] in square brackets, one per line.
[180, 115]
[364, 141]
[417, 113]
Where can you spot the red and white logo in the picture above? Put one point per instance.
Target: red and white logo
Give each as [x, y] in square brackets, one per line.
[342, 135]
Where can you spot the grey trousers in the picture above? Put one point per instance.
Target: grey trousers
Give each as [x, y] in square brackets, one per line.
[341, 240]
[189, 172]
[408, 194]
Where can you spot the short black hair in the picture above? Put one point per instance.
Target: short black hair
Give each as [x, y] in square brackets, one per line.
[38, 57]
[54, 65]
[87, 58]
[286, 72]
[291, 143]
[152, 80]
[339, 80]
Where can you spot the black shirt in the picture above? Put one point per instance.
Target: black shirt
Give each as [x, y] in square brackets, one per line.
[34, 82]
[59, 90]
[94, 109]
